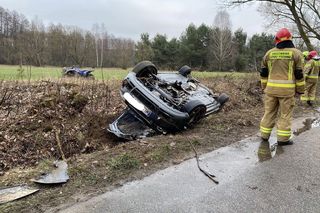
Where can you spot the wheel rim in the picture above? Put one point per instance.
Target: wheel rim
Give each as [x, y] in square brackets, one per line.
[196, 114]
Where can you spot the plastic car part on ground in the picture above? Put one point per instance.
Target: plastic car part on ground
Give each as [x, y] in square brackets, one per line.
[13, 193]
[163, 101]
[129, 127]
[56, 176]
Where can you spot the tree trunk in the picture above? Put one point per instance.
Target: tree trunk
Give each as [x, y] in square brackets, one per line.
[299, 26]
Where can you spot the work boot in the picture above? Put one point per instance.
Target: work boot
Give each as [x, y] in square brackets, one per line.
[284, 143]
[309, 103]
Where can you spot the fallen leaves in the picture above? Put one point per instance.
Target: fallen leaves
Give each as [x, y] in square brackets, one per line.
[31, 114]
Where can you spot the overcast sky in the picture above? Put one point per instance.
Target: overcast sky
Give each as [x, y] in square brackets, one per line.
[130, 18]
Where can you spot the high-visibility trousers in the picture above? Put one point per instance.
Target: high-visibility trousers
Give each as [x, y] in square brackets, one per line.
[309, 92]
[277, 111]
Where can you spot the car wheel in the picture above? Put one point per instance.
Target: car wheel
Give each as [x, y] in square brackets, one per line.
[196, 115]
[223, 98]
[70, 73]
[90, 76]
[144, 69]
[185, 71]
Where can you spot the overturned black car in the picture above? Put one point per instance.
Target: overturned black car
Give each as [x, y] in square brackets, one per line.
[161, 102]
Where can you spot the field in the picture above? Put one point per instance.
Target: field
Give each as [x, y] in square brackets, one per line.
[8, 72]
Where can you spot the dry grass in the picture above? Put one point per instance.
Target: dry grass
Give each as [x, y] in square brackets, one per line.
[35, 116]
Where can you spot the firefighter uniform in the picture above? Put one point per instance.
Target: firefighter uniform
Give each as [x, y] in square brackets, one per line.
[281, 78]
[305, 56]
[311, 71]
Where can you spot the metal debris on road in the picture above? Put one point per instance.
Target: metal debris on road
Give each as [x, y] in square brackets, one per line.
[58, 175]
[210, 176]
[13, 193]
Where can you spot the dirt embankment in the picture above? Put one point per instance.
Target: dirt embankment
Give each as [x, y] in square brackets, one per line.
[37, 119]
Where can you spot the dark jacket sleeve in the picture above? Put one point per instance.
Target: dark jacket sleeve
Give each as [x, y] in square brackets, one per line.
[264, 72]
[298, 74]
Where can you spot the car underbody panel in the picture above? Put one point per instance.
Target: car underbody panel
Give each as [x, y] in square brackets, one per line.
[130, 127]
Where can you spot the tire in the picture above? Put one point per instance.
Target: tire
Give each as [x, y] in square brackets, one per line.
[90, 76]
[144, 69]
[70, 73]
[185, 71]
[196, 115]
[196, 110]
[223, 98]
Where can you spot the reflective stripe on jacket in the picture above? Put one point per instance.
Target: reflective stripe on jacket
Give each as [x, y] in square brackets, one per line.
[312, 70]
[281, 65]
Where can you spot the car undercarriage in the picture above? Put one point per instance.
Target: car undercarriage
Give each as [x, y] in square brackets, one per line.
[164, 101]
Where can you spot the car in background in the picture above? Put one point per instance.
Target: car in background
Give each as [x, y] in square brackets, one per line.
[77, 72]
[162, 102]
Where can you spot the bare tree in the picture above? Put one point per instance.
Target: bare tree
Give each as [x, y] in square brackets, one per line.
[104, 45]
[222, 20]
[304, 14]
[101, 42]
[95, 29]
[33, 43]
[221, 45]
[57, 43]
[76, 46]
[11, 25]
[122, 52]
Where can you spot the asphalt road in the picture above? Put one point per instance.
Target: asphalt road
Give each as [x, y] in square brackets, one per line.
[251, 179]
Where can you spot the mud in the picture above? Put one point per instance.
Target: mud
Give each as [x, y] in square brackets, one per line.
[308, 124]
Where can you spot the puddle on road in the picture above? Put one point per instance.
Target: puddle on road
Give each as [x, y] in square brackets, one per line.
[228, 162]
[309, 123]
[267, 150]
[316, 123]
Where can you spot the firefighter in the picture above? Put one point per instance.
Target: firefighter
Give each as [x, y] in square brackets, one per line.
[281, 79]
[311, 71]
[305, 55]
